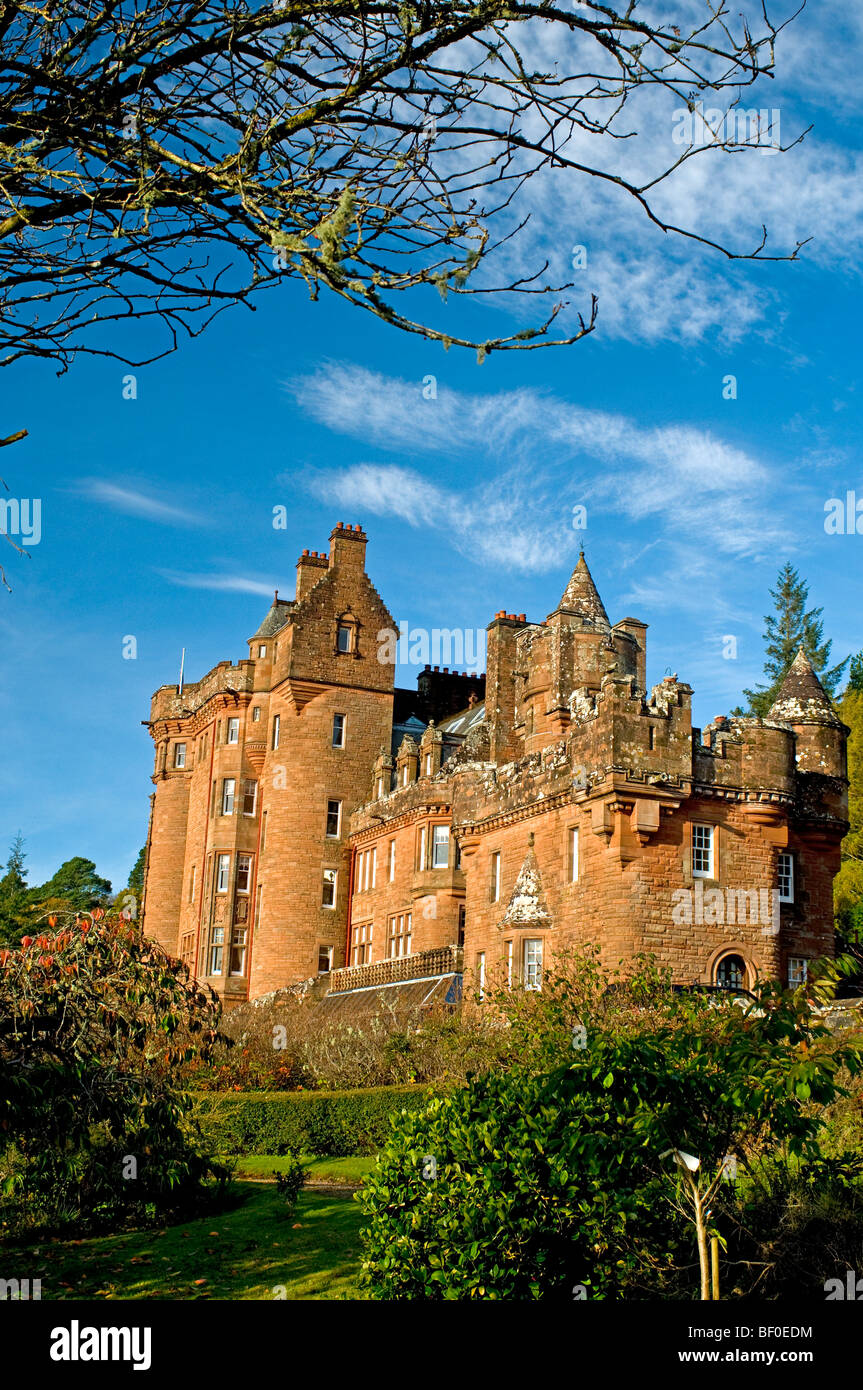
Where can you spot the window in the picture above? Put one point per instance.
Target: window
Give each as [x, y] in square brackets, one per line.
[334, 820]
[462, 917]
[361, 946]
[573, 855]
[405, 775]
[256, 714]
[217, 947]
[179, 755]
[233, 731]
[480, 975]
[250, 798]
[798, 971]
[532, 963]
[731, 973]
[229, 787]
[263, 830]
[244, 872]
[651, 736]
[422, 848]
[223, 871]
[325, 960]
[428, 764]
[366, 869]
[343, 638]
[277, 720]
[392, 860]
[786, 878]
[238, 950]
[262, 651]
[258, 903]
[400, 935]
[702, 851]
[508, 945]
[187, 949]
[192, 879]
[214, 792]
[440, 846]
[328, 896]
[495, 877]
[374, 866]
[339, 730]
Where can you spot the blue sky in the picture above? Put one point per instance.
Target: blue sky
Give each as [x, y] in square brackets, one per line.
[157, 512]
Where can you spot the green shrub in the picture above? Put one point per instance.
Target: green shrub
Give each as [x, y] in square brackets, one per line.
[325, 1123]
[290, 1179]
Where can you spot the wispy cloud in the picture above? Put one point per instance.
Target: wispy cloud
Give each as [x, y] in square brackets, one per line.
[135, 503]
[221, 583]
[535, 456]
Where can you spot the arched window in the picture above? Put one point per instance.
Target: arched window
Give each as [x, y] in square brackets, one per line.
[731, 973]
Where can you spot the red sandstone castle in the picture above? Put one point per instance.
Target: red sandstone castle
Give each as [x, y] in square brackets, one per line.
[309, 819]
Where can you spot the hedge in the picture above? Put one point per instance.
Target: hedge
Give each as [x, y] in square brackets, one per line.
[325, 1123]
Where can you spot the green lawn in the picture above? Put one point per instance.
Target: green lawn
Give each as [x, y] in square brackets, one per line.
[335, 1170]
[251, 1252]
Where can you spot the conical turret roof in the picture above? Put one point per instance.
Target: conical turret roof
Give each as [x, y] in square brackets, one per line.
[802, 698]
[581, 595]
[280, 611]
[527, 902]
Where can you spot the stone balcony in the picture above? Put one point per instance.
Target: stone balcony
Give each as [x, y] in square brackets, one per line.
[444, 960]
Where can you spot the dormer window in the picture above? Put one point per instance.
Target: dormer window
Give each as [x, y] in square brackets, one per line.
[343, 640]
[346, 635]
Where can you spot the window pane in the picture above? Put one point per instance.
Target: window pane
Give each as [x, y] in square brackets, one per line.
[344, 639]
[334, 817]
[233, 730]
[179, 755]
[702, 851]
[440, 846]
[228, 791]
[338, 731]
[244, 872]
[328, 898]
[250, 798]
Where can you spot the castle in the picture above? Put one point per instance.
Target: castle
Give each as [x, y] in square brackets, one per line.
[309, 819]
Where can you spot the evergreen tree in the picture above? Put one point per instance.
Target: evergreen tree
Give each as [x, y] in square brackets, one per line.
[75, 883]
[855, 674]
[136, 875]
[14, 900]
[787, 630]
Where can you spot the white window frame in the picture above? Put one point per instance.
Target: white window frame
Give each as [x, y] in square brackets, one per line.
[277, 727]
[337, 834]
[244, 867]
[239, 944]
[392, 860]
[788, 877]
[423, 847]
[699, 849]
[343, 730]
[217, 950]
[233, 728]
[328, 952]
[344, 630]
[330, 879]
[223, 873]
[797, 977]
[179, 755]
[262, 650]
[247, 795]
[532, 961]
[229, 797]
[256, 714]
[495, 876]
[573, 854]
[440, 837]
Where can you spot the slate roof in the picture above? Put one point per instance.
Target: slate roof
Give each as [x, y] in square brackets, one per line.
[581, 596]
[279, 614]
[802, 698]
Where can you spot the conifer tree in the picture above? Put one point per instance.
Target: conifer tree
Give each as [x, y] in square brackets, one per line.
[788, 629]
[14, 901]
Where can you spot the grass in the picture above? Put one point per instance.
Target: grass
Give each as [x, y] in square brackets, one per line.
[335, 1170]
[243, 1254]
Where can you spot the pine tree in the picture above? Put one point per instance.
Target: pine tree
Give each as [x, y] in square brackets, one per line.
[75, 883]
[855, 674]
[136, 875]
[787, 630]
[14, 901]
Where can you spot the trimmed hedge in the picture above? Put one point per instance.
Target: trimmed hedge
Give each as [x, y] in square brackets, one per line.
[329, 1124]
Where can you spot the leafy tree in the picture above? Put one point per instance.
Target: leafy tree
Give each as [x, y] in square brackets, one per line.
[548, 1180]
[848, 884]
[76, 884]
[95, 1020]
[788, 629]
[14, 900]
[168, 159]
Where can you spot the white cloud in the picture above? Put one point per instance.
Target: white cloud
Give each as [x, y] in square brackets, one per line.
[134, 503]
[535, 456]
[221, 583]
